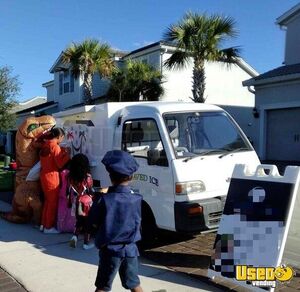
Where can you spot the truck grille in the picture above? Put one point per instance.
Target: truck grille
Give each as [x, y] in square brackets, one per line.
[214, 218]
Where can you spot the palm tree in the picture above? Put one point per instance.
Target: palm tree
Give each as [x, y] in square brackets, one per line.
[118, 84]
[86, 59]
[134, 81]
[201, 37]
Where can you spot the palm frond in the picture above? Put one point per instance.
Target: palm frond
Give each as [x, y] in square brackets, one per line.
[87, 58]
[171, 34]
[180, 34]
[71, 56]
[201, 36]
[230, 55]
[134, 79]
[177, 60]
[224, 26]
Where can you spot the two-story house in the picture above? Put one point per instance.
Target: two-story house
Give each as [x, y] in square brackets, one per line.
[67, 91]
[277, 98]
[223, 84]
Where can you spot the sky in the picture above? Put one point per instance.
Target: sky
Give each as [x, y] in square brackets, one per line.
[34, 32]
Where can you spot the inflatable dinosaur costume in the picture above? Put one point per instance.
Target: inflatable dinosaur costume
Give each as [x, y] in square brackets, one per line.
[26, 204]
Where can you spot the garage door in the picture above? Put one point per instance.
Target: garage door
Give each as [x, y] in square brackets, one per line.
[283, 134]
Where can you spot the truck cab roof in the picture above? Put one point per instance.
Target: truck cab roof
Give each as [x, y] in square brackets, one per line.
[163, 107]
[141, 107]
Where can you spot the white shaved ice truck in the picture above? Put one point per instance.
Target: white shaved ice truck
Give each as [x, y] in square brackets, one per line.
[186, 153]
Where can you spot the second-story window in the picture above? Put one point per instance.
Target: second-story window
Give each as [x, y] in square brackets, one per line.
[66, 82]
[61, 80]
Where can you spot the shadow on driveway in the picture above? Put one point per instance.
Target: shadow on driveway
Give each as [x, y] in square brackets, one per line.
[176, 259]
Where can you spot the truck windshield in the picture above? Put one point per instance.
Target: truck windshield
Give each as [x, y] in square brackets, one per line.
[204, 133]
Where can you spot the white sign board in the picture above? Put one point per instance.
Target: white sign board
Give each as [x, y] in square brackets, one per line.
[254, 226]
[78, 138]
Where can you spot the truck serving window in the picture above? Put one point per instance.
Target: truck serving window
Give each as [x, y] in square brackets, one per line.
[204, 133]
[141, 138]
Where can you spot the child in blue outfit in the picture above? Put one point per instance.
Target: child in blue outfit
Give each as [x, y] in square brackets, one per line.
[118, 218]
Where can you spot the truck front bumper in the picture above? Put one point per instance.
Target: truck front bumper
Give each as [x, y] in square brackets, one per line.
[206, 216]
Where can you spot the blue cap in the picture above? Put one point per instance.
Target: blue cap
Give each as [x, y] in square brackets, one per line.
[121, 162]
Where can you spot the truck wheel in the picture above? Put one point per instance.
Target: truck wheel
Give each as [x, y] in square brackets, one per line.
[148, 228]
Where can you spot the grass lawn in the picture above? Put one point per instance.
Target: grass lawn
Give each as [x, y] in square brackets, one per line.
[6, 179]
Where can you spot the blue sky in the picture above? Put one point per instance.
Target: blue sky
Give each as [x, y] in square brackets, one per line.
[34, 32]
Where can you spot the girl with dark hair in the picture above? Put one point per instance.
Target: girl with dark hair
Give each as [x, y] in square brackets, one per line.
[56, 133]
[80, 197]
[53, 158]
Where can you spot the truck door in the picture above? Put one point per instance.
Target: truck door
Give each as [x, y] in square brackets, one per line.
[154, 179]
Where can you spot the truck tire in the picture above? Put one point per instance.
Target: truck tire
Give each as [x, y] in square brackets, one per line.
[148, 226]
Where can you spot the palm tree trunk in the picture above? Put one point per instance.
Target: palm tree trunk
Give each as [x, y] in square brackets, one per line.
[198, 81]
[87, 87]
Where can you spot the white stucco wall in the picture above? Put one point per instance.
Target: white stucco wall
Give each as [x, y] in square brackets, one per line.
[178, 83]
[223, 84]
[292, 44]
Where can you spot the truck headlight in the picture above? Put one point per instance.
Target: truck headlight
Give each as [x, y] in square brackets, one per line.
[190, 187]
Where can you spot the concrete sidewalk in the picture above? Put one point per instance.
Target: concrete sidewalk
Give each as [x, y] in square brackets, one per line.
[46, 263]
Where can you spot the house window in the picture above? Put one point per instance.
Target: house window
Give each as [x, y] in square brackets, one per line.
[61, 77]
[66, 82]
[154, 60]
[66, 87]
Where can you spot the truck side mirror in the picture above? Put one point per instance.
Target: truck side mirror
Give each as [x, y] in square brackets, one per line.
[157, 157]
[153, 156]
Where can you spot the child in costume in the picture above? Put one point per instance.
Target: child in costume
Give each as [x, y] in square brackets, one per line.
[53, 158]
[80, 196]
[118, 217]
[65, 221]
